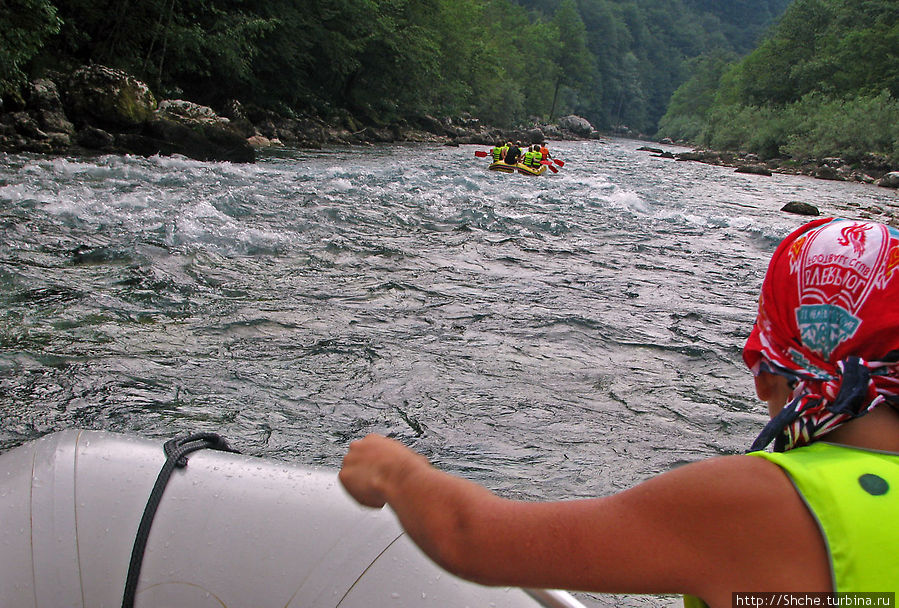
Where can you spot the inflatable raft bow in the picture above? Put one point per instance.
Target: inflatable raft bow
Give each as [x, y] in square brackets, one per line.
[94, 519]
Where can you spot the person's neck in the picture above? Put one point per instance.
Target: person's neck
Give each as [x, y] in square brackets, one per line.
[877, 430]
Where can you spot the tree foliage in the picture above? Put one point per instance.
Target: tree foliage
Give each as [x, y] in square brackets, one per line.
[824, 82]
[616, 62]
[689, 106]
[25, 26]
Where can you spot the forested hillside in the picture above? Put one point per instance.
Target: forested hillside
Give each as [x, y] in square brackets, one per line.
[824, 82]
[615, 62]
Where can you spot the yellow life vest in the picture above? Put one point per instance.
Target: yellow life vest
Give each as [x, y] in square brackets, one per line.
[854, 496]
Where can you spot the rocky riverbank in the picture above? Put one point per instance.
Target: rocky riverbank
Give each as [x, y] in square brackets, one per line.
[102, 110]
[99, 110]
[871, 169]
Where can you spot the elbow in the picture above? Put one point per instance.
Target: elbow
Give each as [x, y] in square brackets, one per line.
[465, 562]
[467, 546]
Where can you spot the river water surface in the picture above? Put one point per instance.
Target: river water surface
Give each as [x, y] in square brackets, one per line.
[553, 337]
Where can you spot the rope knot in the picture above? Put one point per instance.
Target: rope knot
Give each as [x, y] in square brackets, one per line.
[178, 448]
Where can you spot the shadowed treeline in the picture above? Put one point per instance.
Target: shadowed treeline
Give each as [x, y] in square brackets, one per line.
[614, 62]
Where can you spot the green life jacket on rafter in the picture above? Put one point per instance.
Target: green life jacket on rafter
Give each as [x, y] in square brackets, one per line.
[854, 496]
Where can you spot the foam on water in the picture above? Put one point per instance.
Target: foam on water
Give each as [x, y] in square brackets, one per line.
[556, 336]
[560, 336]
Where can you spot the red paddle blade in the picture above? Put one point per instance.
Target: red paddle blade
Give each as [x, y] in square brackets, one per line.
[561, 163]
[550, 165]
[480, 154]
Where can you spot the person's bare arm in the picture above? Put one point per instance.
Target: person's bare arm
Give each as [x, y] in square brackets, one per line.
[710, 528]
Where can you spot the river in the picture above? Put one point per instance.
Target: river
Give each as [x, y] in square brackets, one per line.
[561, 336]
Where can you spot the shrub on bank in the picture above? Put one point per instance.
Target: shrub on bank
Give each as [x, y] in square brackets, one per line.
[761, 130]
[816, 126]
[850, 128]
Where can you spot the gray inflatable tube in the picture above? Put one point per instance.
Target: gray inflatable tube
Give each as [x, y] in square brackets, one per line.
[230, 531]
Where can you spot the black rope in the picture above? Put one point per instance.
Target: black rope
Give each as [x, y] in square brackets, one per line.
[176, 451]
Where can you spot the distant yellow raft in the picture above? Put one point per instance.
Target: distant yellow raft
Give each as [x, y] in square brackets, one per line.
[502, 167]
[523, 169]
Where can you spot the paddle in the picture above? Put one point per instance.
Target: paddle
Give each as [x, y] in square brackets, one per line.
[561, 163]
[481, 153]
[550, 165]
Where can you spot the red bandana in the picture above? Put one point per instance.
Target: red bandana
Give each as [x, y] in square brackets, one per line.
[829, 319]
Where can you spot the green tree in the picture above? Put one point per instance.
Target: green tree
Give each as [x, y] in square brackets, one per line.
[851, 128]
[740, 22]
[203, 47]
[574, 65]
[824, 82]
[612, 61]
[25, 25]
[685, 118]
[608, 39]
[397, 60]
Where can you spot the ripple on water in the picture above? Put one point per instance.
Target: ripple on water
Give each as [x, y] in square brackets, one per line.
[565, 335]
[562, 336]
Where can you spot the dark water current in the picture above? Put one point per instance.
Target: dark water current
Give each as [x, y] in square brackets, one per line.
[560, 336]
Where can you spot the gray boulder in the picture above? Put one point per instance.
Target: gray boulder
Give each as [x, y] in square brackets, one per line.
[196, 131]
[429, 123]
[109, 99]
[93, 138]
[535, 135]
[800, 208]
[189, 112]
[552, 131]
[25, 124]
[38, 123]
[828, 172]
[46, 105]
[577, 125]
[890, 180]
[754, 169]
